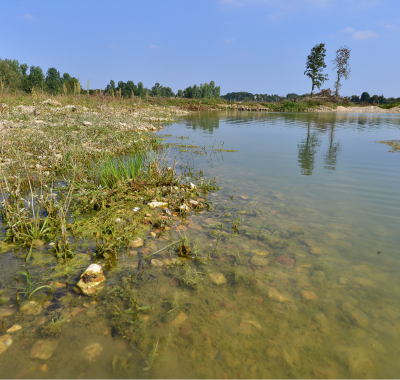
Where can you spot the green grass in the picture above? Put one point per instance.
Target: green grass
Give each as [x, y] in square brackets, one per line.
[113, 170]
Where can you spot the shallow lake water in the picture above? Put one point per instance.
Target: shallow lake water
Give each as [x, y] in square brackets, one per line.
[294, 271]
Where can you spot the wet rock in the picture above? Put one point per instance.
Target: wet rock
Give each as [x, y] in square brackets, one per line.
[157, 204]
[249, 327]
[156, 263]
[136, 243]
[186, 331]
[180, 319]
[31, 308]
[6, 312]
[319, 276]
[346, 307]
[217, 278]
[218, 315]
[259, 261]
[385, 328]
[359, 364]
[92, 280]
[38, 244]
[260, 253]
[184, 208]
[92, 352]
[244, 197]
[315, 250]
[14, 328]
[359, 318]
[308, 296]
[274, 295]
[285, 260]
[364, 281]
[5, 342]
[43, 349]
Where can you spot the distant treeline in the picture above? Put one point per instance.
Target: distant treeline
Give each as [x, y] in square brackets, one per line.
[15, 76]
[363, 99]
[126, 90]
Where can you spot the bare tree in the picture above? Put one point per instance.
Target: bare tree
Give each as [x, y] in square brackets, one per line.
[342, 67]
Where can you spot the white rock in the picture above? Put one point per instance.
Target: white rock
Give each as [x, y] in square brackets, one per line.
[157, 204]
[86, 123]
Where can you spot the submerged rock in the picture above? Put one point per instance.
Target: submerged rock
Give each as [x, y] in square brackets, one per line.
[259, 261]
[43, 349]
[5, 342]
[92, 352]
[308, 296]
[14, 328]
[273, 294]
[6, 312]
[180, 319]
[136, 243]
[157, 204]
[217, 278]
[92, 280]
[31, 308]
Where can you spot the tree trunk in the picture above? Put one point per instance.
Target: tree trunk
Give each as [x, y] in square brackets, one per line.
[337, 86]
[312, 88]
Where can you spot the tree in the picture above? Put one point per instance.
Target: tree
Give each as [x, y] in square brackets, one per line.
[53, 80]
[342, 67]
[10, 77]
[156, 90]
[179, 94]
[365, 97]
[374, 99]
[355, 98]
[315, 65]
[35, 78]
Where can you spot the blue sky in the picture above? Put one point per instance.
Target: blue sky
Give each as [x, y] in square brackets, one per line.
[259, 46]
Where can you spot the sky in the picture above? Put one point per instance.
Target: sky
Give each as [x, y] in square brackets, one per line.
[258, 46]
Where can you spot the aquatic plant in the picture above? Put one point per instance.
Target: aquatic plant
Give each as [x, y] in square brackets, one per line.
[54, 327]
[31, 287]
[153, 354]
[191, 276]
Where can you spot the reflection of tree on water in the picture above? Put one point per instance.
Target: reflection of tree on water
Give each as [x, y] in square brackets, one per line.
[204, 121]
[332, 154]
[308, 147]
[307, 150]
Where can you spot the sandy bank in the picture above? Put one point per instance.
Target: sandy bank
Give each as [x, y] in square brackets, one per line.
[368, 109]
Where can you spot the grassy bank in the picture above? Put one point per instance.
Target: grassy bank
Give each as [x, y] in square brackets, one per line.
[84, 169]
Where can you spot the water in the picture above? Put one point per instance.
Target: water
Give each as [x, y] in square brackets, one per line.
[305, 231]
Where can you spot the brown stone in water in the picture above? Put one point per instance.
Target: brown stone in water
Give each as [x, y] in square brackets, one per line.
[273, 212]
[6, 312]
[285, 260]
[173, 282]
[218, 314]
[186, 331]
[194, 226]
[136, 243]
[31, 308]
[315, 250]
[309, 296]
[243, 197]
[217, 278]
[43, 349]
[180, 319]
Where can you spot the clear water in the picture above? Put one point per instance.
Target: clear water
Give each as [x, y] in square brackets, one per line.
[311, 268]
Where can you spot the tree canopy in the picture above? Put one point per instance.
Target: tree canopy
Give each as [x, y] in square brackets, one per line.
[315, 65]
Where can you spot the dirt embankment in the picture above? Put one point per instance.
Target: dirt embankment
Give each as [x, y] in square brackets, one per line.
[368, 109]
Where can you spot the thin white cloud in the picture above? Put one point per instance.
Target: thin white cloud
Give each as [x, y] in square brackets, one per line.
[27, 16]
[359, 35]
[229, 40]
[154, 47]
[114, 47]
[391, 27]
[363, 35]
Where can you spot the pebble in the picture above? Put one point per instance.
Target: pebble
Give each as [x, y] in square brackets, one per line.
[285, 260]
[260, 253]
[259, 261]
[274, 295]
[217, 278]
[136, 243]
[364, 281]
[92, 352]
[186, 331]
[86, 123]
[315, 250]
[156, 263]
[31, 308]
[43, 349]
[309, 296]
[180, 319]
[219, 314]
[6, 312]
[14, 328]
[243, 197]
[359, 318]
[248, 327]
[95, 281]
